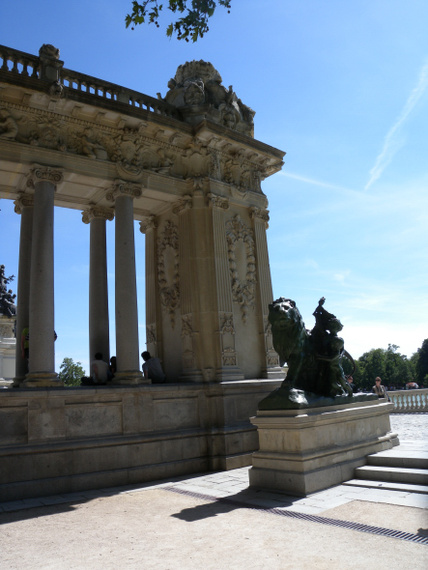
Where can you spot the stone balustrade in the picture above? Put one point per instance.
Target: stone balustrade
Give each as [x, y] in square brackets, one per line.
[19, 65]
[408, 401]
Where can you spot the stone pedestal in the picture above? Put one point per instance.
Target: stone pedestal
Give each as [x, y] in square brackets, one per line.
[7, 350]
[307, 450]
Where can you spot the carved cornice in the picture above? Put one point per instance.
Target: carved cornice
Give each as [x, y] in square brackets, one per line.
[124, 188]
[215, 201]
[185, 203]
[41, 173]
[149, 223]
[97, 212]
[24, 200]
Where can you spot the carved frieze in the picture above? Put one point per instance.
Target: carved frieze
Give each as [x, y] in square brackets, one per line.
[242, 264]
[168, 269]
[134, 149]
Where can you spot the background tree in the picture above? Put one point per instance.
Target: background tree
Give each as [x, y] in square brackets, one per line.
[192, 25]
[421, 364]
[71, 372]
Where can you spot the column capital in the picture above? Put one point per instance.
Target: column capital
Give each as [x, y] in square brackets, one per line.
[215, 201]
[260, 214]
[185, 203]
[96, 212]
[24, 200]
[40, 173]
[149, 223]
[124, 188]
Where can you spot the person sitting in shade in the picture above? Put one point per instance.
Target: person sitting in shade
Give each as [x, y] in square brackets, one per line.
[152, 368]
[100, 370]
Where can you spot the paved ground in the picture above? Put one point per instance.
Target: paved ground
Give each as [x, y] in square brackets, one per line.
[214, 521]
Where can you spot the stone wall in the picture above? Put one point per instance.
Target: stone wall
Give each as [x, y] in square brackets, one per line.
[62, 440]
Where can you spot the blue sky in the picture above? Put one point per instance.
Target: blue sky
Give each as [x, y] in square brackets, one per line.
[342, 87]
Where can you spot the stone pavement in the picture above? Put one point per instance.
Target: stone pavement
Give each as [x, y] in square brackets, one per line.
[223, 524]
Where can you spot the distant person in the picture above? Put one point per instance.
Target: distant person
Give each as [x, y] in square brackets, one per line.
[379, 389]
[152, 368]
[350, 381]
[100, 371]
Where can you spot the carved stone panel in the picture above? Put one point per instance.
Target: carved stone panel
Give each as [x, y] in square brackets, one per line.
[242, 264]
[168, 269]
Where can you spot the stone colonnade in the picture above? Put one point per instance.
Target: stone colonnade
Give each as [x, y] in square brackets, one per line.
[36, 282]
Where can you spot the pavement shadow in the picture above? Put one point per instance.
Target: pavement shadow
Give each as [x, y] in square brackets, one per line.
[246, 499]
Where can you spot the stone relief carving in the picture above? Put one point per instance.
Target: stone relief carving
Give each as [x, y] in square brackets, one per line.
[168, 269]
[198, 84]
[183, 204]
[258, 213]
[151, 334]
[8, 126]
[187, 333]
[227, 335]
[243, 286]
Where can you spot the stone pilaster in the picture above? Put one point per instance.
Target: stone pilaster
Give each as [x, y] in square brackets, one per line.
[99, 339]
[229, 369]
[41, 306]
[260, 219]
[149, 227]
[24, 205]
[127, 348]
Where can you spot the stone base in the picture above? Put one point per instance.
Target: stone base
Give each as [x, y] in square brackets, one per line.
[129, 377]
[306, 450]
[42, 380]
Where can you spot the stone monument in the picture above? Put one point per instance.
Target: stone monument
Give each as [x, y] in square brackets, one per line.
[313, 431]
[7, 330]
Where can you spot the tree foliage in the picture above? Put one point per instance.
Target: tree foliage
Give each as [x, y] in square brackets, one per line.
[193, 24]
[421, 363]
[71, 372]
[394, 368]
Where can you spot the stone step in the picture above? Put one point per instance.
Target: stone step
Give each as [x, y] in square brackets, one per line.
[405, 460]
[392, 474]
[388, 485]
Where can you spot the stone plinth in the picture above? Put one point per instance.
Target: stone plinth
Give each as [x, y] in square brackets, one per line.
[307, 450]
[7, 350]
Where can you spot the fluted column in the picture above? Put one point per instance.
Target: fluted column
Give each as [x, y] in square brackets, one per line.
[99, 339]
[127, 347]
[41, 307]
[23, 205]
[260, 219]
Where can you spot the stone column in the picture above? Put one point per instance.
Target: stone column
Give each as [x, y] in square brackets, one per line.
[41, 322]
[127, 347]
[148, 227]
[99, 339]
[260, 219]
[23, 205]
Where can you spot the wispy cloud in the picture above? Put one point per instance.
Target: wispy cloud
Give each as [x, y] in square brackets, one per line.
[392, 140]
[307, 180]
